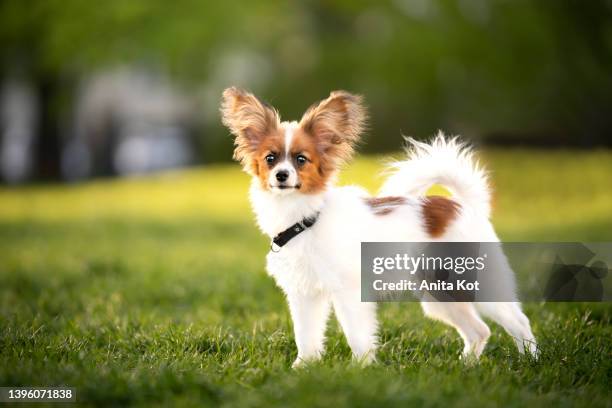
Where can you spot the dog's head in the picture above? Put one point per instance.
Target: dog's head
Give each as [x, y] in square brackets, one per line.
[289, 157]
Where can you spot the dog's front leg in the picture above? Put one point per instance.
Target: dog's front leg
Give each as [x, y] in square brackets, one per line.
[359, 323]
[309, 314]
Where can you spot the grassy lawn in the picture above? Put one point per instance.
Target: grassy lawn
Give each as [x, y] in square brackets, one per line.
[152, 291]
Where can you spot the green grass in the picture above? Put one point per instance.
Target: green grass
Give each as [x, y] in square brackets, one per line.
[152, 291]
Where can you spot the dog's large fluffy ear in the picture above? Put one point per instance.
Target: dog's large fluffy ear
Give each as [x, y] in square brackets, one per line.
[336, 123]
[249, 119]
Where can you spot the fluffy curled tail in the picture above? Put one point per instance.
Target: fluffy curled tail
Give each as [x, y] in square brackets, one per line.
[443, 161]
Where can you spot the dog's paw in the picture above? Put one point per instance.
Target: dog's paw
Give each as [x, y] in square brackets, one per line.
[531, 349]
[301, 362]
[298, 363]
[365, 359]
[469, 359]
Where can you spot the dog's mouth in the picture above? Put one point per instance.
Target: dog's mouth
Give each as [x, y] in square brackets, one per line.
[286, 187]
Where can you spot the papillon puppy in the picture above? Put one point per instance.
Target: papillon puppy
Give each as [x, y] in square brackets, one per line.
[316, 227]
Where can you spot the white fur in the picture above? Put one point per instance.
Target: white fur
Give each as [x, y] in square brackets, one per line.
[444, 161]
[320, 268]
[286, 163]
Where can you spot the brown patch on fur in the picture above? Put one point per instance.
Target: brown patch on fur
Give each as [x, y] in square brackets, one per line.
[250, 120]
[438, 213]
[384, 205]
[312, 178]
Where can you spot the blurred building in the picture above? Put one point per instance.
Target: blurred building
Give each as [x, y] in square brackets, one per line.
[128, 121]
[18, 127]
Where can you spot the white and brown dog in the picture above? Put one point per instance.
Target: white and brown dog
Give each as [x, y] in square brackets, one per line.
[317, 227]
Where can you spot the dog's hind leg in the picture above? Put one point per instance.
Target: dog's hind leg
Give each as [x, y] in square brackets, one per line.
[465, 319]
[510, 316]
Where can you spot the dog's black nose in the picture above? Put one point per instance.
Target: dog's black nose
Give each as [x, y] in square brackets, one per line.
[282, 175]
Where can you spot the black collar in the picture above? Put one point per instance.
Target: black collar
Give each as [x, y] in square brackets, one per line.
[293, 231]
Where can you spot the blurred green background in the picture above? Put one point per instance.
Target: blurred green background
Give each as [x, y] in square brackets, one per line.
[530, 72]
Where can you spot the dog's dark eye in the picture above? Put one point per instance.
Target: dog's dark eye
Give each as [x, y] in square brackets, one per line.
[301, 159]
[270, 158]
